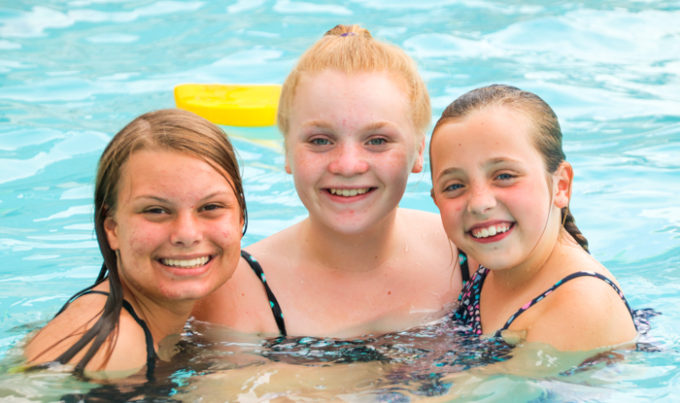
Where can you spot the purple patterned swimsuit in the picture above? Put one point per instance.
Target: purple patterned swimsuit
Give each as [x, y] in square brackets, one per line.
[468, 310]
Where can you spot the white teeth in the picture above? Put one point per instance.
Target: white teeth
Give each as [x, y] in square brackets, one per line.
[186, 263]
[490, 231]
[348, 192]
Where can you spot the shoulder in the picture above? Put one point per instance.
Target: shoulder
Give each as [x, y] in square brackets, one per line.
[582, 314]
[124, 349]
[64, 329]
[422, 224]
[241, 303]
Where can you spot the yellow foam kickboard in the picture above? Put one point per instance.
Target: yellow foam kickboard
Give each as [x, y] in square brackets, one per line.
[231, 104]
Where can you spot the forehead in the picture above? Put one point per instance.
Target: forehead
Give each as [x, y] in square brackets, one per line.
[358, 98]
[161, 167]
[490, 124]
[492, 133]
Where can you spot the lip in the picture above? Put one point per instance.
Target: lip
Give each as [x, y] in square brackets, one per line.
[348, 194]
[494, 238]
[192, 271]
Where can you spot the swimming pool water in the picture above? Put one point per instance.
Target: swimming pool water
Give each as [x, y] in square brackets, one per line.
[72, 73]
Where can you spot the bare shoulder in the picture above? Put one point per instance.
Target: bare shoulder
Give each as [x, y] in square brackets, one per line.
[278, 244]
[583, 314]
[65, 329]
[241, 303]
[424, 224]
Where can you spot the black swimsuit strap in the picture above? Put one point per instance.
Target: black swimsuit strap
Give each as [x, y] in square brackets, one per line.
[273, 303]
[150, 351]
[558, 284]
[464, 268]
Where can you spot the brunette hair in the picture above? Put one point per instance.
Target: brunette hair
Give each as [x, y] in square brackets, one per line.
[167, 129]
[351, 49]
[547, 139]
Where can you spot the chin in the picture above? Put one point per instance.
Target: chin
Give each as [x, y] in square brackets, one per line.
[189, 292]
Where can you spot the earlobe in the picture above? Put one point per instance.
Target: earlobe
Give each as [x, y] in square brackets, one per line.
[563, 178]
[418, 164]
[111, 229]
[287, 166]
[434, 199]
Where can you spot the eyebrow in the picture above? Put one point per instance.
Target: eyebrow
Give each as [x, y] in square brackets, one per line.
[324, 125]
[492, 162]
[162, 200]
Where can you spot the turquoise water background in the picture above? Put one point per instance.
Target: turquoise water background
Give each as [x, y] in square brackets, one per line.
[72, 73]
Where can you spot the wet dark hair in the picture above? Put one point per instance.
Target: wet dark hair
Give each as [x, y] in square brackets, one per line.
[547, 139]
[167, 129]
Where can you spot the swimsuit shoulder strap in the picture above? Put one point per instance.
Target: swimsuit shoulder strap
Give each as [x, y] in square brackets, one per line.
[464, 267]
[273, 303]
[558, 284]
[467, 312]
[79, 294]
[150, 351]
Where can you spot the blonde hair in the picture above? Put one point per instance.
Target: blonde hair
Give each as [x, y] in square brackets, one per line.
[352, 49]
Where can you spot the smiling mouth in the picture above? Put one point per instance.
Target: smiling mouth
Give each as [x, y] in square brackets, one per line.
[186, 263]
[491, 230]
[349, 192]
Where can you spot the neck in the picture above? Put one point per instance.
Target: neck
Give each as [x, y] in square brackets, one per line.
[364, 251]
[548, 249]
[161, 317]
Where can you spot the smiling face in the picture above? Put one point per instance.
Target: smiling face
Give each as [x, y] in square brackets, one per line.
[176, 227]
[351, 145]
[491, 186]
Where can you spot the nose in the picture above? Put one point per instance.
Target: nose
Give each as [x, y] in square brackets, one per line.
[186, 230]
[481, 199]
[348, 160]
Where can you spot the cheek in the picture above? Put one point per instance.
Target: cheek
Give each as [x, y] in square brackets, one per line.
[303, 164]
[141, 240]
[450, 211]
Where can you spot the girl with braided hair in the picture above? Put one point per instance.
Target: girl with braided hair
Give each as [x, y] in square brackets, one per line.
[503, 187]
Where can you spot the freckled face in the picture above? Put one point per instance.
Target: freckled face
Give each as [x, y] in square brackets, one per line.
[176, 228]
[351, 147]
[490, 184]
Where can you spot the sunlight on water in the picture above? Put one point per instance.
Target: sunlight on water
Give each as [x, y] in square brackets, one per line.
[72, 73]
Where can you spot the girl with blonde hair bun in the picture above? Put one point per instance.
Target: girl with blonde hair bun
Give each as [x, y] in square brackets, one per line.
[353, 113]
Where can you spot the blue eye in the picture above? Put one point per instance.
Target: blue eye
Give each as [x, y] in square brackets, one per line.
[505, 176]
[377, 141]
[453, 187]
[320, 141]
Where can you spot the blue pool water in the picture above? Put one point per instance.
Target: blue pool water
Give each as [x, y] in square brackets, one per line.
[72, 73]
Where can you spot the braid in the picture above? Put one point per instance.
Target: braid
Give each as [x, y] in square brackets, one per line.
[570, 225]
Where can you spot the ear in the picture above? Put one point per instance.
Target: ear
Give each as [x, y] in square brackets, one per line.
[418, 164]
[434, 198]
[111, 229]
[287, 154]
[562, 180]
